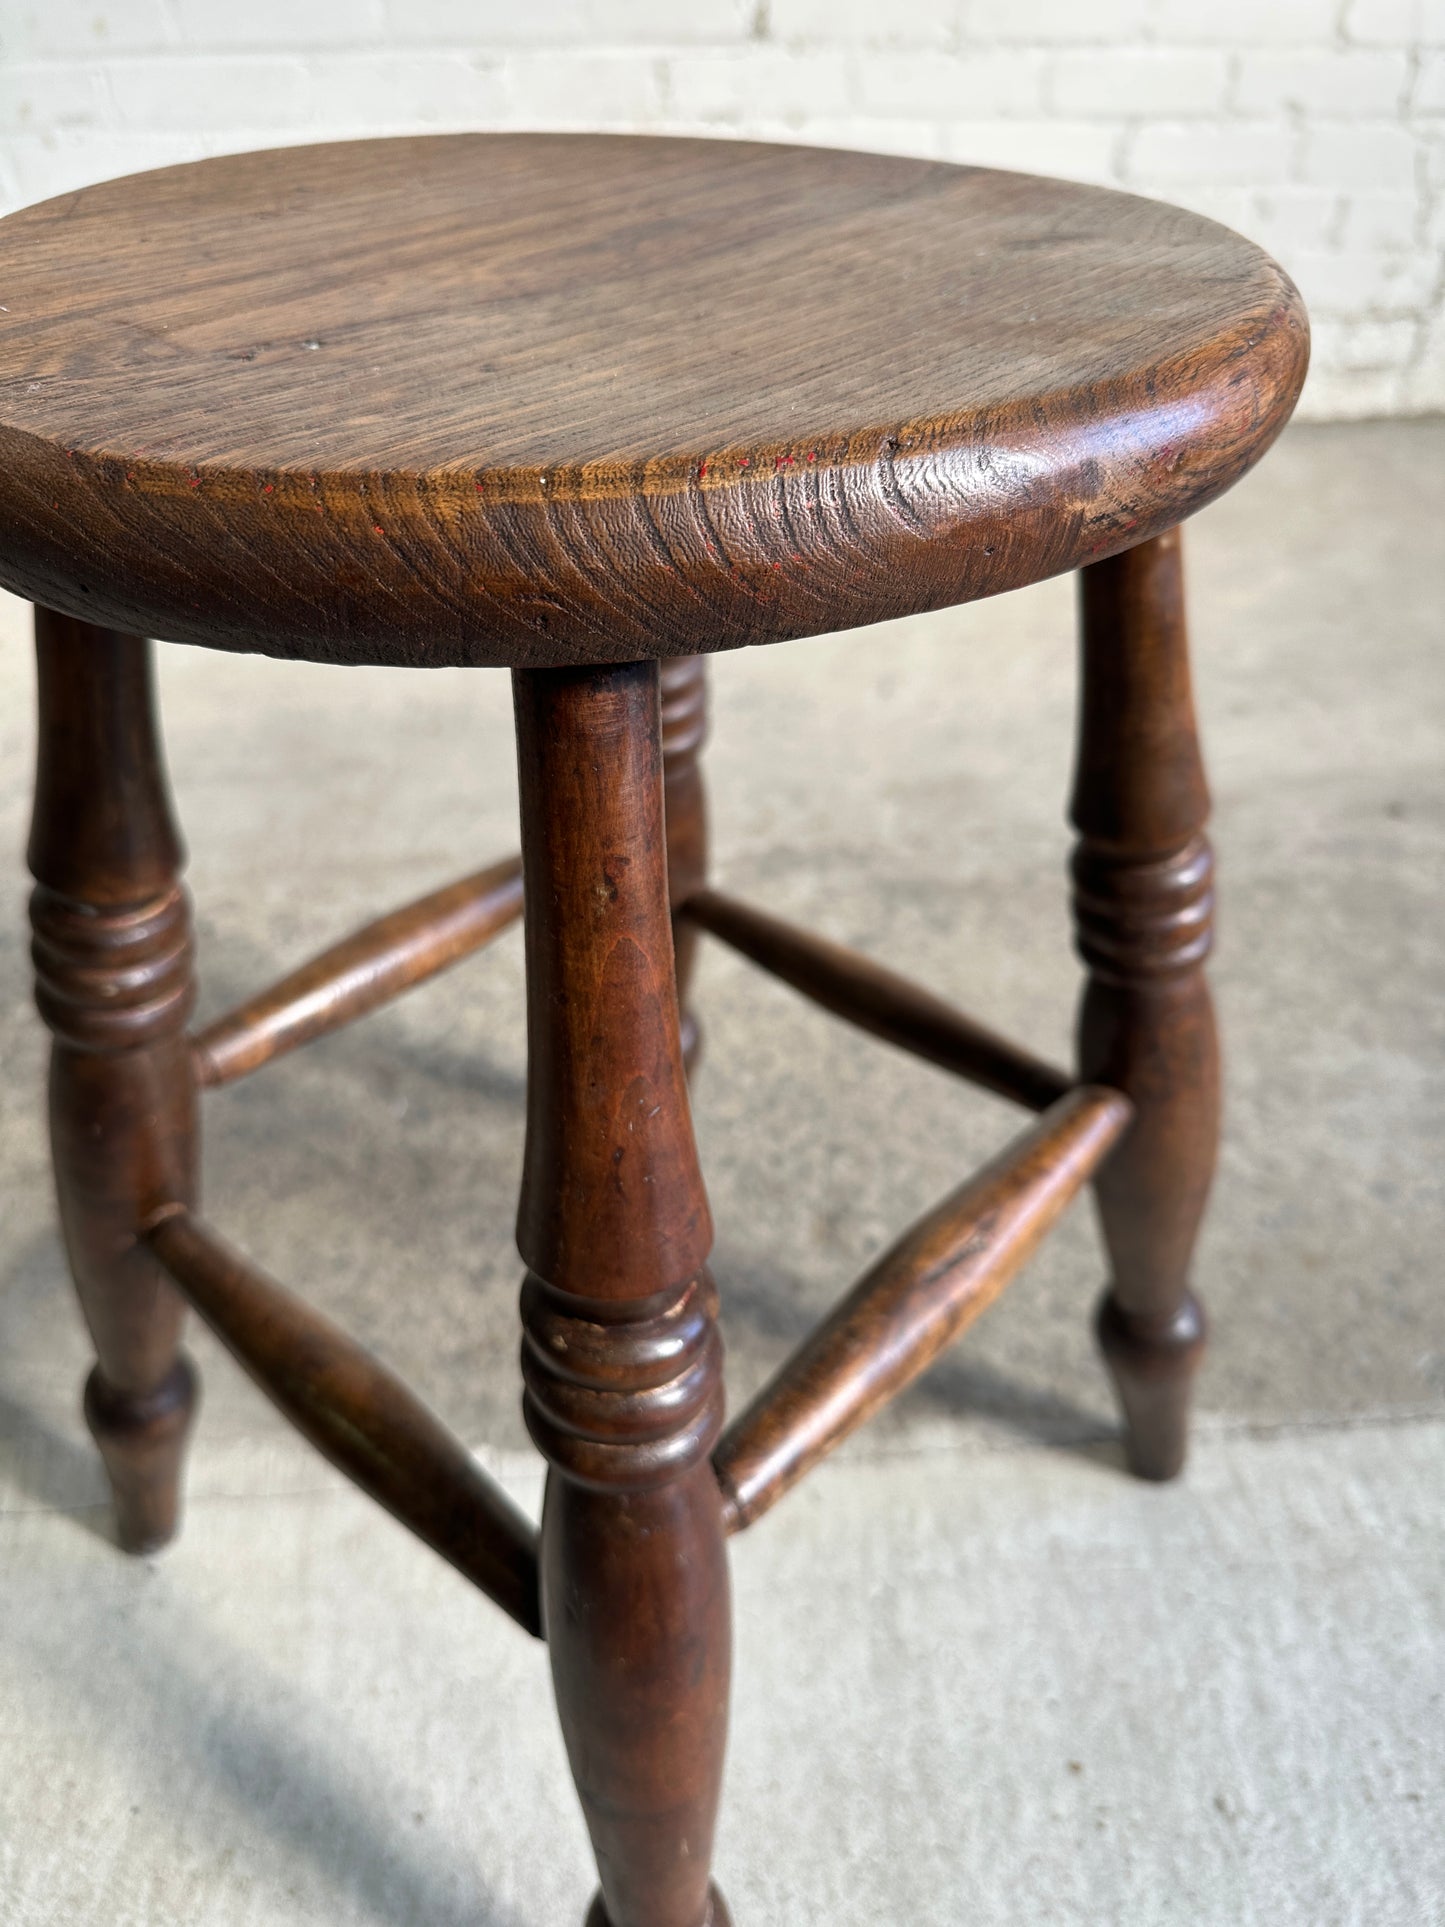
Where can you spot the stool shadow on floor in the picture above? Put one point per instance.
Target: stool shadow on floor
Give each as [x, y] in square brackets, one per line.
[49, 1465]
[51, 1470]
[284, 1772]
[773, 1303]
[187, 1690]
[232, 967]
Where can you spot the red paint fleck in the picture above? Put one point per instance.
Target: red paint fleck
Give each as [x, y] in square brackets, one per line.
[746, 462]
[195, 481]
[812, 454]
[701, 470]
[777, 565]
[377, 529]
[269, 489]
[711, 547]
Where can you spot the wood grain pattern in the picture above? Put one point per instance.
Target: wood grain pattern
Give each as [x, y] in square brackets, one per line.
[575, 404]
[361, 973]
[621, 1358]
[878, 1000]
[357, 1414]
[113, 980]
[921, 1294]
[1144, 915]
[534, 399]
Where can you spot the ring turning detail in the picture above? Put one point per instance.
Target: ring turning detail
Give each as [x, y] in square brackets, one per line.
[594, 410]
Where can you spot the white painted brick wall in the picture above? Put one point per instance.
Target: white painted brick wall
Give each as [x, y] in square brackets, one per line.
[1315, 126]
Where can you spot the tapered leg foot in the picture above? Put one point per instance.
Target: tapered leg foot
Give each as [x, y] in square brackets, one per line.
[1143, 911]
[1153, 1368]
[143, 1442]
[717, 1914]
[112, 952]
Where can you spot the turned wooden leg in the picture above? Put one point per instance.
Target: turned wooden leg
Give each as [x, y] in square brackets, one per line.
[621, 1355]
[112, 949]
[1143, 907]
[684, 731]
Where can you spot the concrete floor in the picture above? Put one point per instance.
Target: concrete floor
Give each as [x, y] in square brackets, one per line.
[981, 1675]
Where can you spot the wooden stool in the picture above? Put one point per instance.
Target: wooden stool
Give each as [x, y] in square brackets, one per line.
[580, 407]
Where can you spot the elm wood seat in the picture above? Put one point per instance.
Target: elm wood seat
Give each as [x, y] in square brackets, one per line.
[535, 400]
[571, 405]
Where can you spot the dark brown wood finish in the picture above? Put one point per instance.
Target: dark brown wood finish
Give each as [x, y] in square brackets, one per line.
[621, 1357]
[113, 980]
[684, 731]
[921, 1294]
[361, 973]
[1144, 912]
[357, 1414]
[573, 404]
[536, 399]
[879, 1001]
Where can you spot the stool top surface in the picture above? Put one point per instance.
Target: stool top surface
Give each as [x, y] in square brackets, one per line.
[550, 399]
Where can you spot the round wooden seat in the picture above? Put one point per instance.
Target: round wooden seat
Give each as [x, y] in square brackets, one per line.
[535, 400]
[572, 404]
